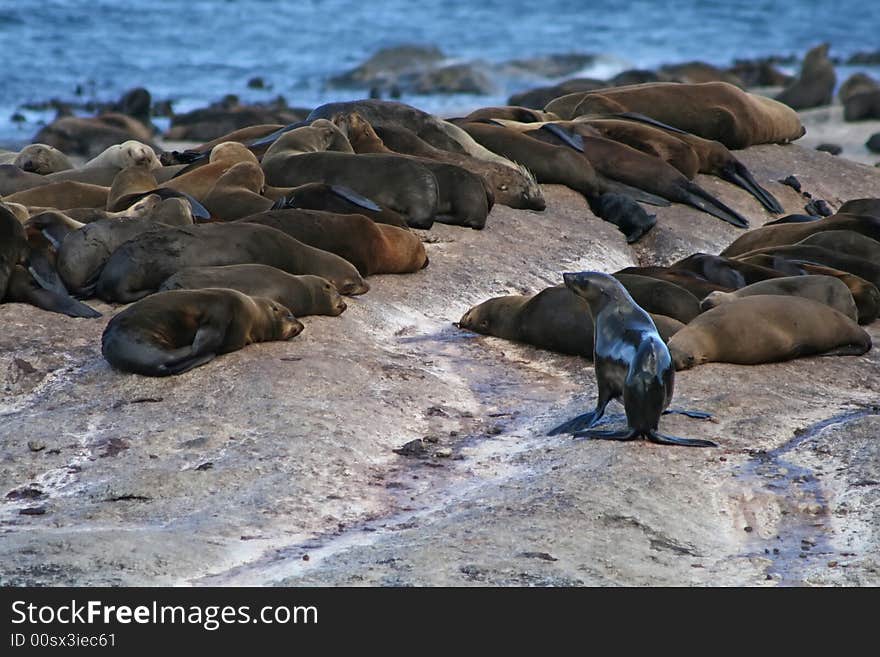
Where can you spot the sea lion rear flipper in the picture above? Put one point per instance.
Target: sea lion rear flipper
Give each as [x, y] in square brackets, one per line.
[697, 415]
[584, 421]
[697, 197]
[24, 289]
[641, 118]
[44, 272]
[353, 197]
[662, 439]
[636, 194]
[571, 139]
[737, 174]
[186, 364]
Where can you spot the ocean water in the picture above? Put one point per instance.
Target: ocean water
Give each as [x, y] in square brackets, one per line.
[196, 51]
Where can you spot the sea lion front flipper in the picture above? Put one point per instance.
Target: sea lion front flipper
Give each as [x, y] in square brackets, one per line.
[662, 439]
[44, 272]
[636, 194]
[571, 139]
[24, 289]
[353, 197]
[186, 364]
[619, 434]
[208, 338]
[697, 415]
[737, 173]
[642, 118]
[584, 421]
[696, 196]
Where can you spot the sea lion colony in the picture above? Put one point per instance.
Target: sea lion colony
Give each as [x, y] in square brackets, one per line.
[299, 214]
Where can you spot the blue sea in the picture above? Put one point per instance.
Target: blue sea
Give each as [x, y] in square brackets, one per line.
[196, 51]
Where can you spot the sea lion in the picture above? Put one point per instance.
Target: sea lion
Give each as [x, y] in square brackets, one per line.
[322, 135]
[512, 113]
[140, 265]
[175, 331]
[815, 84]
[766, 329]
[824, 289]
[127, 154]
[237, 193]
[847, 242]
[372, 248]
[691, 282]
[688, 153]
[514, 187]
[13, 179]
[862, 105]
[440, 134]
[854, 84]
[23, 288]
[868, 206]
[818, 255]
[637, 170]
[792, 219]
[660, 297]
[13, 246]
[396, 182]
[198, 182]
[726, 272]
[632, 362]
[38, 158]
[555, 319]
[630, 218]
[865, 293]
[333, 198]
[302, 295]
[89, 136]
[712, 110]
[792, 233]
[63, 196]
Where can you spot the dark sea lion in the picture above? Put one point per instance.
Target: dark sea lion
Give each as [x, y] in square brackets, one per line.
[372, 248]
[637, 170]
[302, 295]
[23, 288]
[856, 83]
[712, 110]
[512, 113]
[865, 293]
[660, 297]
[440, 134]
[766, 329]
[815, 84]
[785, 234]
[630, 218]
[862, 105]
[698, 286]
[173, 332]
[13, 246]
[824, 289]
[514, 187]
[868, 206]
[818, 255]
[237, 193]
[632, 363]
[555, 319]
[333, 198]
[62, 195]
[792, 219]
[846, 242]
[537, 97]
[396, 182]
[140, 265]
[726, 272]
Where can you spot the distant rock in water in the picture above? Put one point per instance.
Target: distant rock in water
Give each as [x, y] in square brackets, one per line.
[760, 73]
[873, 143]
[636, 76]
[382, 68]
[549, 66]
[227, 115]
[697, 72]
[453, 79]
[870, 58]
[815, 84]
[856, 83]
[537, 98]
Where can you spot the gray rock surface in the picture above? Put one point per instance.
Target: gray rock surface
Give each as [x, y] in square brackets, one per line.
[234, 472]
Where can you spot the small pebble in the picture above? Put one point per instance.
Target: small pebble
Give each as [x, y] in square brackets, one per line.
[748, 529]
[36, 445]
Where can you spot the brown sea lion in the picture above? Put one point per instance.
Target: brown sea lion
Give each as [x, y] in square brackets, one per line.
[198, 182]
[818, 255]
[868, 206]
[63, 196]
[824, 289]
[333, 198]
[554, 319]
[237, 193]
[372, 248]
[512, 113]
[13, 179]
[127, 154]
[766, 329]
[712, 110]
[726, 272]
[140, 265]
[847, 242]
[90, 136]
[815, 84]
[396, 182]
[660, 297]
[13, 246]
[785, 234]
[302, 295]
[322, 135]
[696, 285]
[37, 158]
[175, 331]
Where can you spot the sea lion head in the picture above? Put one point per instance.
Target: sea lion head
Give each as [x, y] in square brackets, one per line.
[278, 322]
[42, 159]
[596, 288]
[332, 137]
[494, 317]
[135, 154]
[714, 299]
[326, 299]
[232, 151]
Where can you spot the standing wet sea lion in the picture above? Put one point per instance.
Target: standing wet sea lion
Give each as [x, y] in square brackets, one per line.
[173, 332]
[631, 360]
